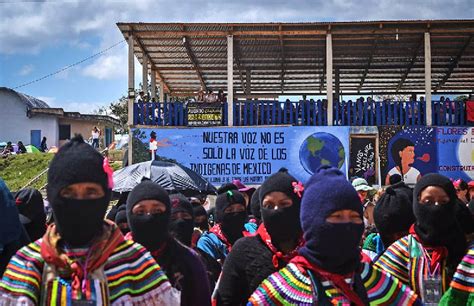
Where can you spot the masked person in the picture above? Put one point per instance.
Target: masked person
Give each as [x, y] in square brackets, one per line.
[82, 259]
[121, 220]
[182, 219]
[255, 207]
[231, 215]
[393, 216]
[278, 238]
[149, 217]
[329, 268]
[182, 228]
[461, 289]
[426, 258]
[30, 205]
[12, 235]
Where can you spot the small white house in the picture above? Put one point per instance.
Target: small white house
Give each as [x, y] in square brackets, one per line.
[27, 119]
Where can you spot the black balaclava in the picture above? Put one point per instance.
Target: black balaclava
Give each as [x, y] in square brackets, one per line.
[393, 213]
[255, 205]
[32, 215]
[121, 217]
[149, 230]
[282, 224]
[332, 246]
[201, 211]
[78, 221]
[436, 225]
[232, 224]
[181, 229]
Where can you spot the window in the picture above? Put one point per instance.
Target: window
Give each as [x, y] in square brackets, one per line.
[64, 131]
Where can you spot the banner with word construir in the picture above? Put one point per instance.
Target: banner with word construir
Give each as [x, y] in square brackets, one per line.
[254, 153]
[456, 152]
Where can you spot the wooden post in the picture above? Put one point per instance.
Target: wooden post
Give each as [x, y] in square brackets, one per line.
[428, 79]
[230, 80]
[337, 84]
[153, 84]
[162, 92]
[131, 95]
[329, 91]
[145, 74]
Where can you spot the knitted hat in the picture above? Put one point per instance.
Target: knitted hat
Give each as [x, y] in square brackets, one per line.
[75, 162]
[242, 187]
[255, 204]
[331, 246]
[226, 187]
[179, 203]
[30, 204]
[282, 181]
[121, 216]
[393, 212]
[199, 211]
[148, 190]
[434, 179]
[394, 178]
[225, 200]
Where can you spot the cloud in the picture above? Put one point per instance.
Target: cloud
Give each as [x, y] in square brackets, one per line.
[26, 70]
[107, 67]
[29, 27]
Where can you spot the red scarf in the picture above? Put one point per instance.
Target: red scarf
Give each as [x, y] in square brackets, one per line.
[156, 253]
[217, 230]
[438, 253]
[337, 279]
[99, 252]
[265, 236]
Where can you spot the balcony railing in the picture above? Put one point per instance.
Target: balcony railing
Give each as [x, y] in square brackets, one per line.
[310, 113]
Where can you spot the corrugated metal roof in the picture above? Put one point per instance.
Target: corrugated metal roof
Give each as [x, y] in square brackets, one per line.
[369, 55]
[30, 102]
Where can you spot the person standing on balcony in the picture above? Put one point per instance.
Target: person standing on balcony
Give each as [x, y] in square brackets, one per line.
[403, 154]
[95, 137]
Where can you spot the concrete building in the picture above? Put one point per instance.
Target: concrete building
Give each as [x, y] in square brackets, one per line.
[28, 119]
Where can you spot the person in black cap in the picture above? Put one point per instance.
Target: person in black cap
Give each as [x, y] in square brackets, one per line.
[278, 238]
[12, 235]
[81, 256]
[182, 228]
[329, 268]
[149, 211]
[121, 220]
[182, 219]
[255, 207]
[435, 244]
[231, 214]
[393, 216]
[32, 214]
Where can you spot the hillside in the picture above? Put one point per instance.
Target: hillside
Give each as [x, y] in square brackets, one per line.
[18, 170]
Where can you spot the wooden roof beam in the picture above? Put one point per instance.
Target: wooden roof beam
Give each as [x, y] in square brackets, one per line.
[157, 71]
[454, 63]
[194, 62]
[412, 63]
[366, 71]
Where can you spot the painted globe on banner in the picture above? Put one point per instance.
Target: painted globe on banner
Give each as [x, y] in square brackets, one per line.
[320, 149]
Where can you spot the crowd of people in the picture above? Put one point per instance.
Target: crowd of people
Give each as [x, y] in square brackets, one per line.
[19, 148]
[329, 241]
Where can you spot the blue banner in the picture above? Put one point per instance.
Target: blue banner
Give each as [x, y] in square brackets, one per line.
[456, 152]
[250, 154]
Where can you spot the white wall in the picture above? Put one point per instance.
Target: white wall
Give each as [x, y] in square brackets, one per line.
[16, 126]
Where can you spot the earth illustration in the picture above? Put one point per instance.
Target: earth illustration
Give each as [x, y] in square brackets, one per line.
[321, 149]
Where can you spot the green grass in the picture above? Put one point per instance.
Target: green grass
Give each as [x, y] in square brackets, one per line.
[18, 170]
